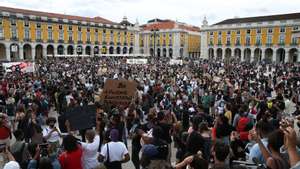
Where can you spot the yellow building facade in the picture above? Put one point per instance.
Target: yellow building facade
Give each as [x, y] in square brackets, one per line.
[30, 35]
[264, 38]
[167, 38]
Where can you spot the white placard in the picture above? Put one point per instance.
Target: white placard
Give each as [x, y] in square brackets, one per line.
[137, 61]
[25, 67]
[176, 62]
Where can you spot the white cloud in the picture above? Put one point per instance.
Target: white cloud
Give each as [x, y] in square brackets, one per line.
[189, 11]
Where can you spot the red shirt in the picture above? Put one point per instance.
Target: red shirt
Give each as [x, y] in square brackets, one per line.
[4, 133]
[71, 160]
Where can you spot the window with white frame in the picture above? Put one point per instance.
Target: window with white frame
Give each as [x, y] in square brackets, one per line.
[61, 35]
[1, 32]
[26, 23]
[88, 36]
[228, 40]
[281, 39]
[258, 40]
[79, 36]
[38, 34]
[258, 31]
[14, 34]
[211, 33]
[27, 33]
[13, 22]
[248, 39]
[282, 29]
[248, 31]
[211, 41]
[111, 35]
[295, 40]
[70, 35]
[238, 40]
[219, 41]
[295, 28]
[270, 30]
[50, 34]
[238, 32]
[269, 39]
[96, 35]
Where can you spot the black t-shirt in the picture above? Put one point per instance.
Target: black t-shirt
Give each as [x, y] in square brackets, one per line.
[166, 136]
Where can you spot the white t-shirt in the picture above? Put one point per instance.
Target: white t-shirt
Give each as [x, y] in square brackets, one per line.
[54, 137]
[90, 153]
[117, 151]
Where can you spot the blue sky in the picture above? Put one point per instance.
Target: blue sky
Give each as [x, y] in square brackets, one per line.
[188, 11]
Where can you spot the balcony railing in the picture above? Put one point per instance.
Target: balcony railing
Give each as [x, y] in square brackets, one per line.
[269, 44]
[294, 44]
[50, 41]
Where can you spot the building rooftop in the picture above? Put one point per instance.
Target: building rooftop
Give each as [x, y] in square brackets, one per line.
[56, 15]
[260, 19]
[168, 24]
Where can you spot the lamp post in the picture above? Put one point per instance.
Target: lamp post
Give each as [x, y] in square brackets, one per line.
[154, 34]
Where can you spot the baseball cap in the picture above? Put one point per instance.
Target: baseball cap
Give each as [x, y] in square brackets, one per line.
[12, 165]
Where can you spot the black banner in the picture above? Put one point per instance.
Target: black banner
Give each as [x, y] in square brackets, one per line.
[82, 117]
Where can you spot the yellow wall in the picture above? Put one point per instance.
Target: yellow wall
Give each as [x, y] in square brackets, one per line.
[20, 29]
[32, 27]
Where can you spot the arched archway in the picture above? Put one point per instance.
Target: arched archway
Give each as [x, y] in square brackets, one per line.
[158, 52]
[88, 50]
[131, 50]
[257, 55]
[2, 52]
[219, 54]
[50, 50]
[61, 50]
[39, 51]
[280, 55]
[27, 52]
[268, 55]
[104, 50]
[293, 55]
[210, 53]
[118, 50]
[79, 50]
[237, 54]
[14, 52]
[170, 52]
[96, 50]
[111, 50]
[164, 52]
[70, 50]
[247, 55]
[125, 50]
[151, 52]
[227, 54]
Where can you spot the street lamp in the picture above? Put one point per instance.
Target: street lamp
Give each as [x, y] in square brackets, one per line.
[154, 34]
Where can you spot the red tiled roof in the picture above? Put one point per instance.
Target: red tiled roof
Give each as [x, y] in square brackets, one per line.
[56, 15]
[169, 24]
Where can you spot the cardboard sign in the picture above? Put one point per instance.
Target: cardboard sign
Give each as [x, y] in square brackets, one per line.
[25, 67]
[176, 62]
[137, 61]
[118, 92]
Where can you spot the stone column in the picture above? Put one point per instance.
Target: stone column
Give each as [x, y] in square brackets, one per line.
[263, 56]
[21, 53]
[33, 54]
[252, 56]
[55, 51]
[215, 53]
[45, 52]
[286, 56]
[274, 56]
[7, 52]
[242, 55]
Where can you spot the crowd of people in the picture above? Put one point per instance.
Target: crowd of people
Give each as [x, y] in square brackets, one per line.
[212, 114]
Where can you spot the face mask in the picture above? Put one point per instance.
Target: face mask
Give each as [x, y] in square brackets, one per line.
[51, 125]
